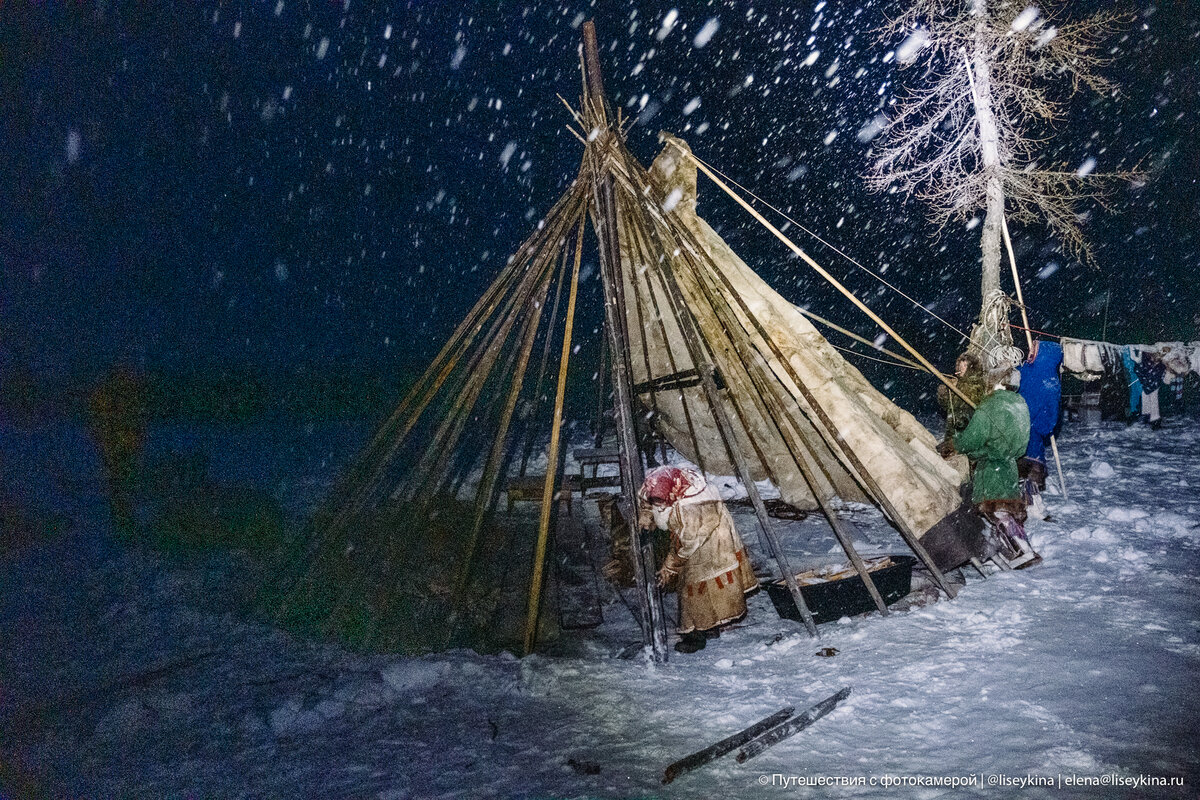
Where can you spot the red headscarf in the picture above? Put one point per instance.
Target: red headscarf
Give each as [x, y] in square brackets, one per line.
[667, 485]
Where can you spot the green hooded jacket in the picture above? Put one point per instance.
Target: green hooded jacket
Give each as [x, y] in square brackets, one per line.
[994, 439]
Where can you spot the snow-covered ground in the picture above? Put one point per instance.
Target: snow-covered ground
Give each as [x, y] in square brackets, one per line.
[122, 675]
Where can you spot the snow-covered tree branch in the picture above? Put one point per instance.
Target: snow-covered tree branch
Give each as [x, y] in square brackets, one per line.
[967, 134]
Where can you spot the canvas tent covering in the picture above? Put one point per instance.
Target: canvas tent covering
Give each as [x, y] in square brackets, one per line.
[893, 448]
[731, 374]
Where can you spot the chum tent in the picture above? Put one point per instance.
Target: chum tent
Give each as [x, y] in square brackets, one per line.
[700, 348]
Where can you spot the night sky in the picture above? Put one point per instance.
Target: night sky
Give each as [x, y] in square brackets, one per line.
[285, 186]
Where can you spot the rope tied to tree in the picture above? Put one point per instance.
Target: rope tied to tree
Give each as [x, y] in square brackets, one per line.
[992, 336]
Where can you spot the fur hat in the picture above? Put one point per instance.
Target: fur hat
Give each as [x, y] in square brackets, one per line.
[669, 484]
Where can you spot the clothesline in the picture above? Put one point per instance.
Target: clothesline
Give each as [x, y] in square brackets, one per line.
[1070, 338]
[1039, 333]
[893, 362]
[1084, 341]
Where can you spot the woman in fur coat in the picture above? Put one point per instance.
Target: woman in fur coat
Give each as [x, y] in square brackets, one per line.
[707, 562]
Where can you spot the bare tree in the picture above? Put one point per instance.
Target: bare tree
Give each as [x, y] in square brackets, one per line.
[967, 137]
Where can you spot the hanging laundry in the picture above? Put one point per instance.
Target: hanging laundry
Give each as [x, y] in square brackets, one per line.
[1083, 358]
[1135, 385]
[1042, 391]
[1114, 386]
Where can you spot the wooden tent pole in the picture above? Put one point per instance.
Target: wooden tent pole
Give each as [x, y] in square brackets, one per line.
[771, 410]
[632, 474]
[424, 479]
[486, 491]
[558, 221]
[795, 248]
[638, 235]
[1058, 464]
[539, 555]
[598, 435]
[455, 344]
[365, 474]
[808, 471]
[1012, 260]
[651, 408]
[362, 474]
[467, 455]
[432, 466]
[910, 537]
[527, 451]
[596, 101]
[706, 369]
[436, 372]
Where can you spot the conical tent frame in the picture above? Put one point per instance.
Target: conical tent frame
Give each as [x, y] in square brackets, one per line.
[469, 414]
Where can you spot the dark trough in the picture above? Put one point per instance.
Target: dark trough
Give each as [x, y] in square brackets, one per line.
[833, 599]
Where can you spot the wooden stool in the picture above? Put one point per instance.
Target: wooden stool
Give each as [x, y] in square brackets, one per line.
[593, 457]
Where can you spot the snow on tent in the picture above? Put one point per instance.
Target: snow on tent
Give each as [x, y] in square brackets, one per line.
[408, 552]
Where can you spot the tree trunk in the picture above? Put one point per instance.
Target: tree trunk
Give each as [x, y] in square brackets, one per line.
[983, 338]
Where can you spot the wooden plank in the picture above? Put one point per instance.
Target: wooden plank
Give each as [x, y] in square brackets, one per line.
[791, 727]
[726, 745]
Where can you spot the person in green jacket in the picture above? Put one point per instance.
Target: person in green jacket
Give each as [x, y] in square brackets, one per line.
[994, 439]
[970, 380]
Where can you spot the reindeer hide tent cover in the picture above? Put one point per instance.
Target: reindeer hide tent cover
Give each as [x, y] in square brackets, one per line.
[839, 421]
[697, 325]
